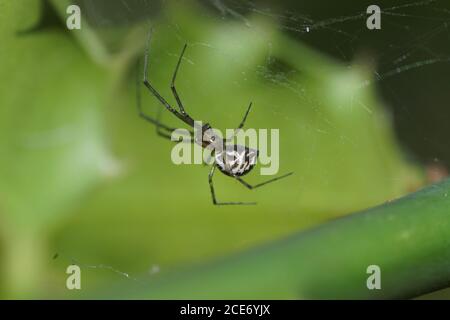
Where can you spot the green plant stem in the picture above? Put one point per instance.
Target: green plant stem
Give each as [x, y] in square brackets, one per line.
[409, 239]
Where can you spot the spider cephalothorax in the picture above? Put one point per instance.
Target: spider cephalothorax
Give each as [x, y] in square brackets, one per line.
[232, 160]
[208, 138]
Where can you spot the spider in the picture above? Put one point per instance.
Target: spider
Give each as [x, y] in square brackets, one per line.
[235, 161]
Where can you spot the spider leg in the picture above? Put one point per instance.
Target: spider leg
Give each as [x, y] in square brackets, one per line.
[182, 116]
[241, 125]
[158, 127]
[172, 85]
[164, 131]
[161, 129]
[150, 119]
[169, 137]
[208, 160]
[168, 131]
[213, 195]
[249, 186]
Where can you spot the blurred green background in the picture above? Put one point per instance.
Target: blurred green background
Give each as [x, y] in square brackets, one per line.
[84, 180]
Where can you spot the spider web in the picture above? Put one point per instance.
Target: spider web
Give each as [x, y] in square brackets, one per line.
[417, 46]
[413, 42]
[411, 56]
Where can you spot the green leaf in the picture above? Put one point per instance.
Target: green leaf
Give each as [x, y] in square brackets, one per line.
[334, 135]
[52, 145]
[409, 239]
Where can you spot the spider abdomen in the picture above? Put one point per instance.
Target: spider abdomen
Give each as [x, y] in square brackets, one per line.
[236, 160]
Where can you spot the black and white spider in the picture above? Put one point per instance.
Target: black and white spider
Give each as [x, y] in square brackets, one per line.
[235, 161]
